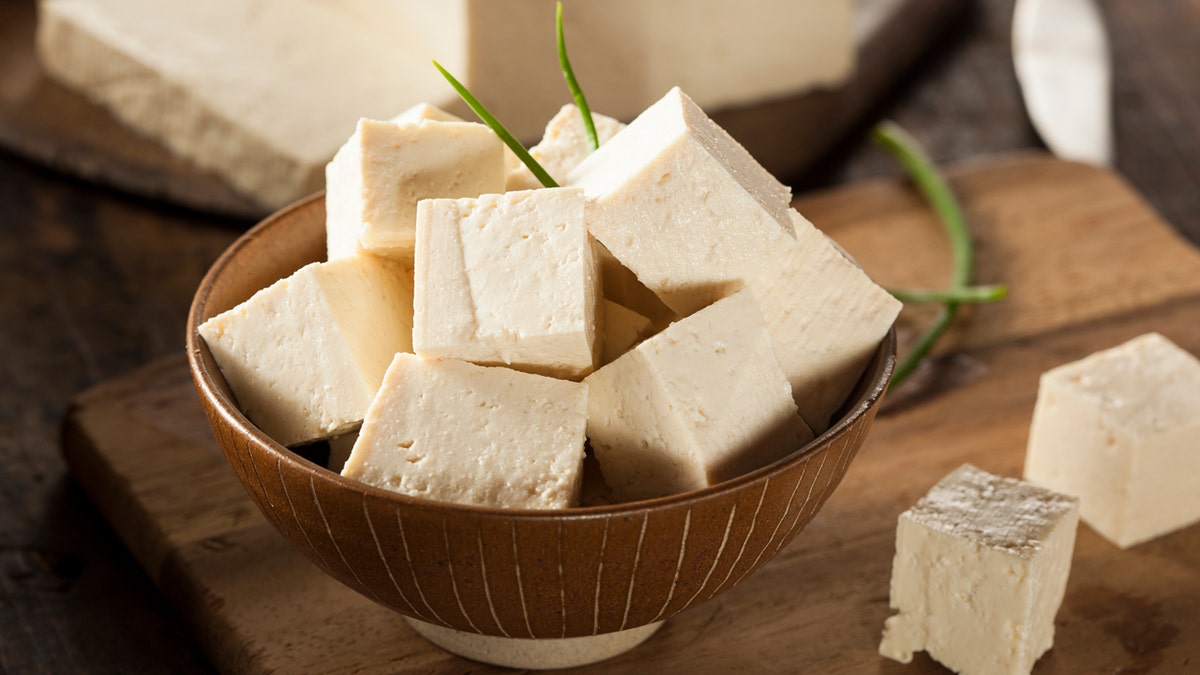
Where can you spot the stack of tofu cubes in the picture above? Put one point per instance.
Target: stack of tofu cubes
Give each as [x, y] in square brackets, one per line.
[665, 304]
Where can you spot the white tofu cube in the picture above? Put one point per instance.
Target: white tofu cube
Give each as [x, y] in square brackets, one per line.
[682, 204]
[456, 432]
[1118, 429]
[826, 319]
[980, 571]
[507, 279]
[621, 329]
[376, 179]
[563, 146]
[305, 356]
[699, 403]
[425, 111]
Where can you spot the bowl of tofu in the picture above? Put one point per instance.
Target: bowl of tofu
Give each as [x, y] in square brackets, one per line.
[543, 435]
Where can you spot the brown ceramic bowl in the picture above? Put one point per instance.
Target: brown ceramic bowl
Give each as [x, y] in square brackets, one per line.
[510, 573]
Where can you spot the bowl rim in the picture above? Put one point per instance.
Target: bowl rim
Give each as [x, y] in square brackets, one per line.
[879, 370]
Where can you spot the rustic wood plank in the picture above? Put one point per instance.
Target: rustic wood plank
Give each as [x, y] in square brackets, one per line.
[256, 605]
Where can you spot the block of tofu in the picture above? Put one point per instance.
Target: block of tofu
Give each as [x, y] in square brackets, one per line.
[489, 436]
[563, 146]
[1118, 429]
[422, 112]
[507, 279]
[225, 83]
[684, 206]
[980, 570]
[305, 356]
[699, 403]
[376, 179]
[826, 319]
[621, 329]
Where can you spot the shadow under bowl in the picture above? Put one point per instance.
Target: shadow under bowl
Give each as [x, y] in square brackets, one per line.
[501, 572]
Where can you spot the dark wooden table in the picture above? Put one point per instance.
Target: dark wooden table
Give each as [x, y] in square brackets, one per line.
[95, 283]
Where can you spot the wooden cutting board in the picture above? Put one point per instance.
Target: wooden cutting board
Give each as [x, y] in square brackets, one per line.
[56, 126]
[1088, 265]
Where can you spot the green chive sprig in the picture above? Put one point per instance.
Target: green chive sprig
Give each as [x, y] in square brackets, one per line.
[971, 294]
[905, 149]
[576, 91]
[490, 120]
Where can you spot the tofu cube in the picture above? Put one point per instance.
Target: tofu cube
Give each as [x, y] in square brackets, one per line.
[1118, 429]
[621, 329]
[699, 403]
[826, 319]
[685, 207]
[980, 571]
[507, 279]
[621, 286]
[425, 111]
[456, 432]
[305, 356]
[376, 179]
[563, 146]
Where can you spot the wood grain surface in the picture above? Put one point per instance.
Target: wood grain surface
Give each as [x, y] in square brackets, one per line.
[58, 126]
[139, 447]
[94, 283]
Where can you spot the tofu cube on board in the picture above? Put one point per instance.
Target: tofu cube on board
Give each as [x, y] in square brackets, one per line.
[1119, 429]
[305, 356]
[376, 179]
[456, 432]
[826, 318]
[507, 279]
[684, 206]
[980, 571]
[699, 403]
[563, 146]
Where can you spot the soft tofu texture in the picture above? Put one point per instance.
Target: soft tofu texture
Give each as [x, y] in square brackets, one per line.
[305, 356]
[980, 571]
[621, 329]
[685, 207]
[826, 319]
[699, 403]
[1118, 429]
[507, 279]
[563, 146]
[218, 81]
[457, 432]
[376, 179]
[261, 93]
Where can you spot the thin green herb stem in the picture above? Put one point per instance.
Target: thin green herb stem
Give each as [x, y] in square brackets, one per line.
[490, 120]
[576, 91]
[905, 149]
[972, 294]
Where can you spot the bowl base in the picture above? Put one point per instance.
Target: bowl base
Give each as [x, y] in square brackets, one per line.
[534, 654]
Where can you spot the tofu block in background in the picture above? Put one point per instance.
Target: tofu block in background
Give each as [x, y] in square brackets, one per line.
[621, 329]
[826, 319]
[263, 93]
[699, 403]
[376, 179]
[305, 356]
[260, 93]
[507, 279]
[563, 146]
[621, 286]
[980, 571]
[456, 432]
[423, 112]
[684, 206]
[1119, 429]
